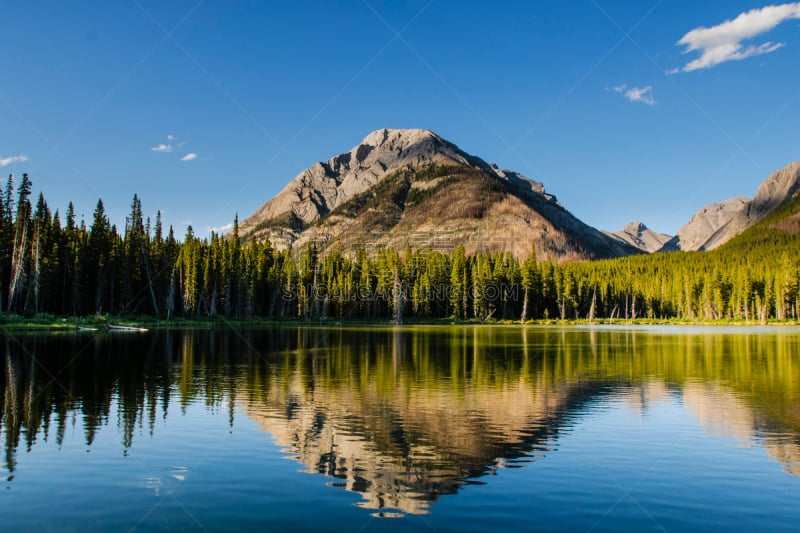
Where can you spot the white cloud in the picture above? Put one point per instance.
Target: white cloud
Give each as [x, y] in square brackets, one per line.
[636, 94]
[220, 229]
[723, 42]
[162, 148]
[170, 137]
[643, 95]
[189, 157]
[13, 159]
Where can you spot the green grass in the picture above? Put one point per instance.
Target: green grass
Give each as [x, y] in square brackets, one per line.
[101, 322]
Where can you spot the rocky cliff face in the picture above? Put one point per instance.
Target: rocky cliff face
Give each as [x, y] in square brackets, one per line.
[638, 235]
[712, 226]
[318, 190]
[716, 224]
[410, 187]
[780, 186]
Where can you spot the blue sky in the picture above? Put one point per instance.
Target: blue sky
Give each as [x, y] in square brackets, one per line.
[596, 99]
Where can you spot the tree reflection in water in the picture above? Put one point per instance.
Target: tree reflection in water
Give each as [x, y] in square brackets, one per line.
[401, 415]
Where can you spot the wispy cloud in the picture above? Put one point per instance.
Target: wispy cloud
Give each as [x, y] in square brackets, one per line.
[220, 229]
[636, 94]
[643, 95]
[4, 161]
[723, 42]
[168, 147]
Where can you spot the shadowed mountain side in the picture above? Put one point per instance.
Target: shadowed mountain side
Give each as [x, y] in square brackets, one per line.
[412, 188]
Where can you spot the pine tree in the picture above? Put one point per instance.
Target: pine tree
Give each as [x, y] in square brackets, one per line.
[459, 287]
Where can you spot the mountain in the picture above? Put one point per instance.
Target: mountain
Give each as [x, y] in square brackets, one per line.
[638, 235]
[712, 226]
[778, 230]
[716, 224]
[410, 187]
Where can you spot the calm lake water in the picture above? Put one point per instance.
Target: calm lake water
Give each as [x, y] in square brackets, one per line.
[415, 428]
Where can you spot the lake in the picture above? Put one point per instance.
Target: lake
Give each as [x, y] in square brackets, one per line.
[442, 428]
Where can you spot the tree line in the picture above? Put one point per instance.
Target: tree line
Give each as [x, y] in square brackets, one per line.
[66, 268]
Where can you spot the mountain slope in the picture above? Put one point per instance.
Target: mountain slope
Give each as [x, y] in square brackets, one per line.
[638, 235]
[716, 224]
[402, 188]
[779, 230]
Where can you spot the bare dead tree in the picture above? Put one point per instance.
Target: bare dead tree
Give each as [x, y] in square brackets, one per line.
[17, 262]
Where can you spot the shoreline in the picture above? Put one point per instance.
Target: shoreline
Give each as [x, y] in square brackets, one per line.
[50, 323]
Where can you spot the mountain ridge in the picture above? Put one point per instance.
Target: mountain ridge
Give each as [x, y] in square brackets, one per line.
[717, 223]
[638, 235]
[411, 187]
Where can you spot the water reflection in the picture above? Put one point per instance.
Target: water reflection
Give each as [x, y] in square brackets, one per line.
[401, 416]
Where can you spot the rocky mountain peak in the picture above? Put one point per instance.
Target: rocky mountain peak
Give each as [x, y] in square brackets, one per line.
[712, 225]
[395, 137]
[634, 228]
[780, 186]
[717, 223]
[638, 235]
[411, 187]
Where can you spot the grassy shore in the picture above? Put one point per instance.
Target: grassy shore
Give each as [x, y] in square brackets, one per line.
[10, 322]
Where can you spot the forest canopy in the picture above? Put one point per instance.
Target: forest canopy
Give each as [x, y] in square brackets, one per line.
[66, 268]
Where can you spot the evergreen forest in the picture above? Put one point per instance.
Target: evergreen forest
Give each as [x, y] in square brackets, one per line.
[58, 266]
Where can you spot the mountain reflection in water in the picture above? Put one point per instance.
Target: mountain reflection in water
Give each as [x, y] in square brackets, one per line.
[401, 415]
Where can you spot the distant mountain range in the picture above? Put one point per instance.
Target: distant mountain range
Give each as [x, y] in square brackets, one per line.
[716, 224]
[411, 187]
